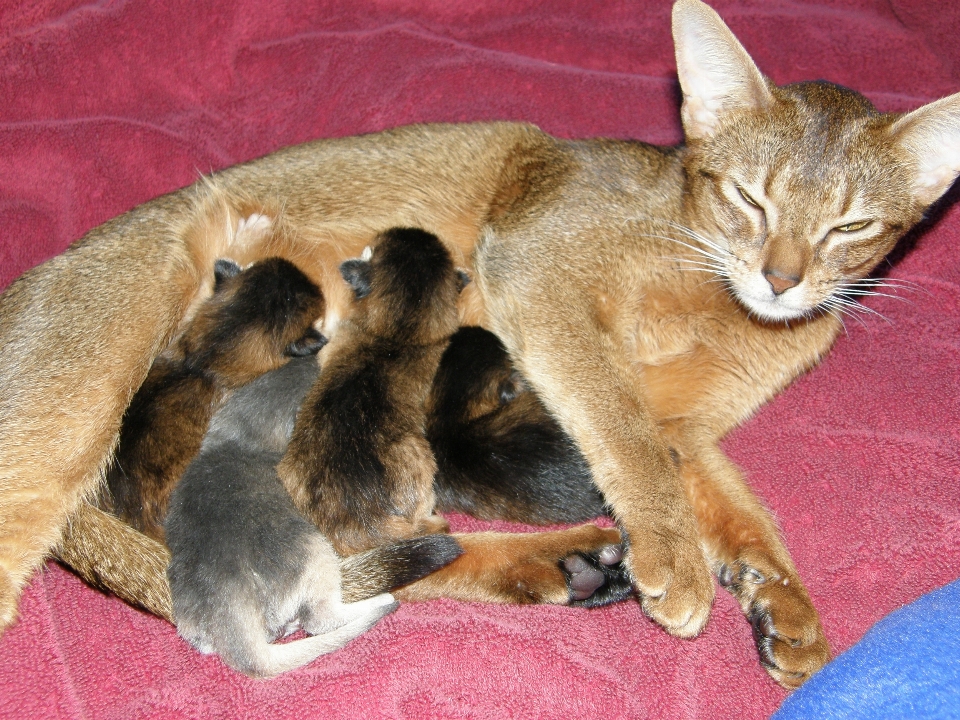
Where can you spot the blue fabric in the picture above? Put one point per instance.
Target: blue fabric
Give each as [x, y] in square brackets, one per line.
[906, 666]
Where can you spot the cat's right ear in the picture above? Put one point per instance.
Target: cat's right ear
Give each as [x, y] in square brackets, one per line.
[716, 74]
[222, 269]
[357, 275]
[930, 136]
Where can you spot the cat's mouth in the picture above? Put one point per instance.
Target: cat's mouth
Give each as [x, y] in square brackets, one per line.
[760, 299]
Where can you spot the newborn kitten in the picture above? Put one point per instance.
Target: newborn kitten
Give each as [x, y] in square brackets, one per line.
[246, 567]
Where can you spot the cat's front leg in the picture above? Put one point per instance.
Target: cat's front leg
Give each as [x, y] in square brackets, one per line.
[593, 393]
[751, 561]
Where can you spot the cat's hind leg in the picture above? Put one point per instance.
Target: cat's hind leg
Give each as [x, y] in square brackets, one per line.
[577, 566]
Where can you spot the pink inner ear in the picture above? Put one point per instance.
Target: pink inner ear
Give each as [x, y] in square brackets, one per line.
[716, 73]
[931, 136]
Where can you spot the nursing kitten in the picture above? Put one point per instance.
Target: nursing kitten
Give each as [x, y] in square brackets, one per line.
[246, 567]
[358, 464]
[499, 453]
[254, 322]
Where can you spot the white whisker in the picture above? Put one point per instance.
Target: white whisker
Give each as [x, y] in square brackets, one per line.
[697, 264]
[852, 306]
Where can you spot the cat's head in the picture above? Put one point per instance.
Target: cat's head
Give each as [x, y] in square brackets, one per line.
[797, 192]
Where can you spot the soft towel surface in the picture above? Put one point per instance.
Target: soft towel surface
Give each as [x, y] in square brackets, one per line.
[108, 104]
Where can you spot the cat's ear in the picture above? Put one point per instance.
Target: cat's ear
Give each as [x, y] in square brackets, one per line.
[310, 344]
[716, 74]
[930, 136]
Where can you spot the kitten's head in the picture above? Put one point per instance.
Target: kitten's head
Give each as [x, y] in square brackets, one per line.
[797, 192]
[405, 284]
[256, 320]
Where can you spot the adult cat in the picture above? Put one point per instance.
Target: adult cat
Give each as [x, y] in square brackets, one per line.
[593, 261]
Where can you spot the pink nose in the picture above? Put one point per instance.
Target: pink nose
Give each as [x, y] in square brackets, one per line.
[780, 281]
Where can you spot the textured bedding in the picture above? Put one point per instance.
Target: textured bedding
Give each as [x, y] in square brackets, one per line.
[107, 104]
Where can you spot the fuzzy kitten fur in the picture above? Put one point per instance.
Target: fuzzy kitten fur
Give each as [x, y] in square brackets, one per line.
[246, 567]
[255, 321]
[358, 464]
[499, 453]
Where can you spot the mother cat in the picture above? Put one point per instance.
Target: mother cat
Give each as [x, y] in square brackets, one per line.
[594, 262]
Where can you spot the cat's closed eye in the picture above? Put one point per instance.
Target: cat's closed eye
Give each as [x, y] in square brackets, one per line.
[748, 198]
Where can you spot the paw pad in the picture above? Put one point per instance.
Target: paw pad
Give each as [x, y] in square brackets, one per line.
[597, 578]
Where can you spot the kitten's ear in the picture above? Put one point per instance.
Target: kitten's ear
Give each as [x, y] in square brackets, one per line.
[357, 274]
[310, 344]
[222, 269]
[716, 74]
[931, 138]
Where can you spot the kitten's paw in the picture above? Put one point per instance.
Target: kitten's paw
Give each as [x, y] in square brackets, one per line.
[786, 626]
[597, 578]
[673, 579]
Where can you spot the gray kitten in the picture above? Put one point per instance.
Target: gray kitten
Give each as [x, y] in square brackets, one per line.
[246, 567]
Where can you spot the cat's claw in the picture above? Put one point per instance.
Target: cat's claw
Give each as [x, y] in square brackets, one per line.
[786, 627]
[597, 578]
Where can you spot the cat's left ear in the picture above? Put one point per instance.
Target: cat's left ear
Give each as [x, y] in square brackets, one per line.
[716, 74]
[930, 136]
[223, 269]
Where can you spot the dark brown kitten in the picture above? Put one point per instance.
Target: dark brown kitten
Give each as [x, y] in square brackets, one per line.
[358, 464]
[256, 319]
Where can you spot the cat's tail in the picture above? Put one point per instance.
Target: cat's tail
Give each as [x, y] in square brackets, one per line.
[261, 659]
[388, 567]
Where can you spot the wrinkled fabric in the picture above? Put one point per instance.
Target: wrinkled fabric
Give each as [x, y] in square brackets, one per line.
[108, 104]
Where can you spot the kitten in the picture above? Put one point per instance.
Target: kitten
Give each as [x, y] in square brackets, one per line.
[358, 464]
[246, 567]
[255, 321]
[499, 454]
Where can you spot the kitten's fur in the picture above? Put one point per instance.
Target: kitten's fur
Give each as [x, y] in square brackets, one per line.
[254, 322]
[358, 464]
[499, 453]
[246, 567]
[593, 262]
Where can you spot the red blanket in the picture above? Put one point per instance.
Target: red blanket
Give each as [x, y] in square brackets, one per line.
[107, 104]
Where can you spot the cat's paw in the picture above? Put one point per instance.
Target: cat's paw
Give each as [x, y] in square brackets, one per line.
[786, 626]
[672, 578]
[580, 566]
[598, 577]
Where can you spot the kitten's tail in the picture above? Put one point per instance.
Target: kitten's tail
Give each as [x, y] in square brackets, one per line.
[388, 567]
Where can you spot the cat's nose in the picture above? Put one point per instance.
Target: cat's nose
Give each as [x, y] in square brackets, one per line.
[780, 281]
